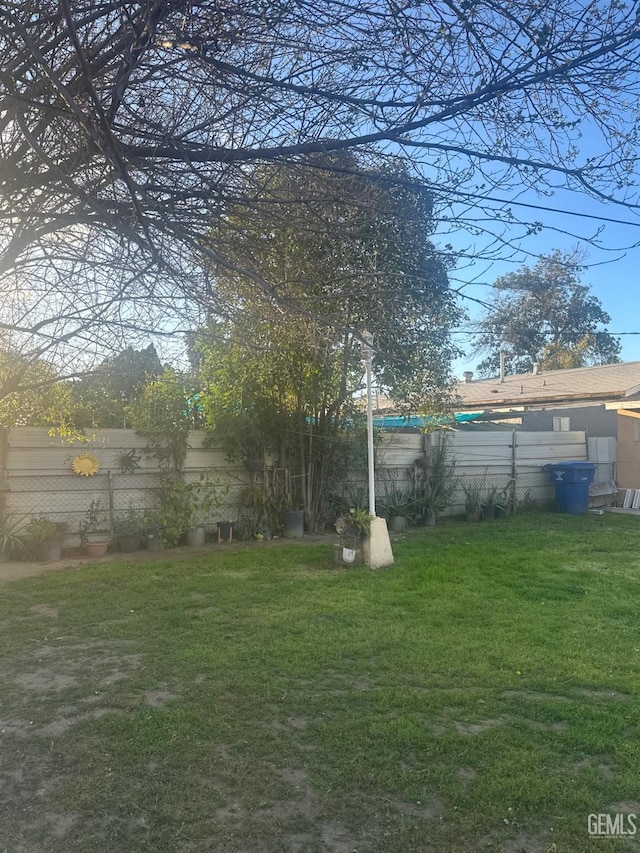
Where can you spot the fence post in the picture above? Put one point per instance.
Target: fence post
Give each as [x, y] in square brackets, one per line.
[514, 469]
[4, 476]
[110, 488]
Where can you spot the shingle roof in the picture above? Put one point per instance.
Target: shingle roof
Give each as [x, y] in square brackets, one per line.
[603, 382]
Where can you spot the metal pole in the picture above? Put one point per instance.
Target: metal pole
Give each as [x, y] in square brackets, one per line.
[367, 352]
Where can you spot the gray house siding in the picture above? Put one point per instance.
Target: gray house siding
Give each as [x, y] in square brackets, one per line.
[596, 421]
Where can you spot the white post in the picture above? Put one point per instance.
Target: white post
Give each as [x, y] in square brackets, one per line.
[367, 352]
[377, 547]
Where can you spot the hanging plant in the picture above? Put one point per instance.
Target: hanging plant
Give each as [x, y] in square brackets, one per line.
[85, 464]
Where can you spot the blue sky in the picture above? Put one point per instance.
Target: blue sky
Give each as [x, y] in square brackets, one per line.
[614, 263]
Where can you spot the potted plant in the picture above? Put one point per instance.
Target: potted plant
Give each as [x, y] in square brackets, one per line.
[435, 483]
[183, 509]
[293, 523]
[94, 535]
[397, 506]
[11, 536]
[201, 496]
[431, 500]
[225, 531]
[473, 502]
[128, 530]
[353, 528]
[153, 531]
[490, 501]
[43, 538]
[505, 500]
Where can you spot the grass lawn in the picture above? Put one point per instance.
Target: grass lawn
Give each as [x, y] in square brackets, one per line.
[482, 695]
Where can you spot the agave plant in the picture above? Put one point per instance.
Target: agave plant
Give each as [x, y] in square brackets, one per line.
[12, 529]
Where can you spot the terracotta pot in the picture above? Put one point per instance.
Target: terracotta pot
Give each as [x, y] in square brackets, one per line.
[96, 549]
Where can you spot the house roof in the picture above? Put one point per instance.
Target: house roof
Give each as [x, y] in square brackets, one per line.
[600, 383]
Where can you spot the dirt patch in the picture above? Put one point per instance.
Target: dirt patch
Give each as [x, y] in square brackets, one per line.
[299, 723]
[45, 610]
[425, 809]
[60, 824]
[17, 571]
[525, 844]
[24, 729]
[626, 807]
[59, 726]
[477, 728]
[535, 697]
[607, 695]
[44, 681]
[601, 766]
[466, 774]
[294, 776]
[557, 726]
[158, 698]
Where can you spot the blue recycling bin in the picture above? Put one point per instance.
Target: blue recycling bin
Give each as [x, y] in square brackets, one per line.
[572, 480]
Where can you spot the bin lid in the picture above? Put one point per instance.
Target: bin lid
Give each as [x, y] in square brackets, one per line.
[573, 464]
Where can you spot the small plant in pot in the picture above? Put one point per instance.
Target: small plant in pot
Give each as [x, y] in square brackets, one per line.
[353, 528]
[153, 532]
[12, 531]
[473, 502]
[128, 530]
[492, 501]
[94, 533]
[431, 500]
[43, 539]
[201, 497]
[435, 483]
[398, 507]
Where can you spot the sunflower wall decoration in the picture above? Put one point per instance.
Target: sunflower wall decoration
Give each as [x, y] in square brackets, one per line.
[85, 464]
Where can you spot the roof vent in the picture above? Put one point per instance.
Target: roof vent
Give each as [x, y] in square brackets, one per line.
[468, 375]
[536, 368]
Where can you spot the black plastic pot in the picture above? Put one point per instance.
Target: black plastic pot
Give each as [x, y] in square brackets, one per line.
[294, 523]
[225, 531]
[129, 542]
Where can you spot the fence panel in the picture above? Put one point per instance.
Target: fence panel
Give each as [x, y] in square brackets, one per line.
[511, 463]
[41, 481]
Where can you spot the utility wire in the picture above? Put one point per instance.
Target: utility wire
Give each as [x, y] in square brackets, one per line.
[543, 207]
